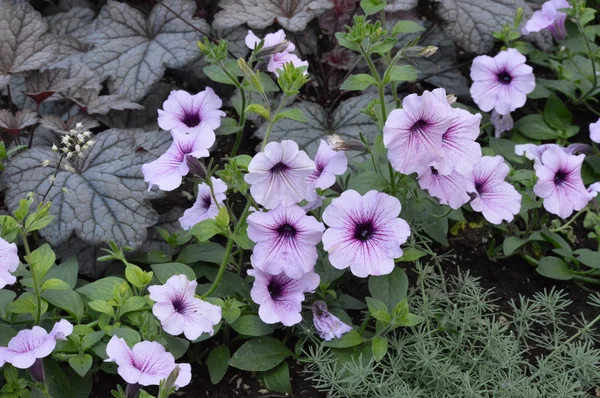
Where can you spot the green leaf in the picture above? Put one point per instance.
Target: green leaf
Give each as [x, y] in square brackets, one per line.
[259, 110]
[350, 339]
[6, 334]
[66, 271]
[260, 354]
[176, 345]
[411, 254]
[81, 364]
[67, 300]
[137, 276]
[130, 336]
[389, 289]
[379, 346]
[535, 127]
[371, 7]
[378, 310]
[384, 46]
[555, 268]
[512, 244]
[102, 289]
[41, 259]
[206, 229]
[208, 252]
[6, 297]
[55, 284]
[588, 257]
[216, 74]
[409, 320]
[251, 325]
[406, 27]
[25, 304]
[91, 339]
[293, 114]
[166, 270]
[223, 217]
[277, 379]
[358, 82]
[228, 126]
[218, 363]
[133, 303]
[401, 73]
[344, 42]
[241, 237]
[556, 114]
[102, 307]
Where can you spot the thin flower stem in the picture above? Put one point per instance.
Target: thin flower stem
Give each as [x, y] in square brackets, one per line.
[36, 281]
[575, 336]
[52, 183]
[566, 225]
[591, 56]
[272, 122]
[242, 122]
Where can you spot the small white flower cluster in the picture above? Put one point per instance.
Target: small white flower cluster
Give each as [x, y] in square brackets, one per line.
[75, 142]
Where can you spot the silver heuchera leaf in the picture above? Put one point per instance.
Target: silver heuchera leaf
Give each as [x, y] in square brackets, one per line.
[471, 22]
[60, 126]
[105, 198]
[24, 42]
[75, 23]
[134, 52]
[293, 15]
[401, 5]
[168, 221]
[347, 121]
[87, 256]
[90, 100]
[236, 40]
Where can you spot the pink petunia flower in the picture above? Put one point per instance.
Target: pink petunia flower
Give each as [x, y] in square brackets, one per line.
[278, 60]
[501, 83]
[413, 134]
[198, 114]
[204, 207]
[146, 364]
[9, 262]
[179, 311]
[460, 151]
[280, 297]
[32, 344]
[549, 18]
[495, 198]
[535, 152]
[278, 175]
[560, 184]
[167, 171]
[450, 189]
[286, 241]
[328, 325]
[595, 131]
[501, 123]
[271, 40]
[329, 164]
[364, 232]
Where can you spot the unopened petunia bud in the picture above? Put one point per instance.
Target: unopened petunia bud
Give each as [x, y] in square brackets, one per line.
[328, 325]
[339, 144]
[420, 51]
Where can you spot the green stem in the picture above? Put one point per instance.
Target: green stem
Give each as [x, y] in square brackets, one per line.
[272, 122]
[566, 225]
[242, 122]
[230, 242]
[364, 324]
[575, 336]
[392, 179]
[591, 56]
[36, 282]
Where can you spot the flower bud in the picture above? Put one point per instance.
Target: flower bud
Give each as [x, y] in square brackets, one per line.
[328, 325]
[337, 143]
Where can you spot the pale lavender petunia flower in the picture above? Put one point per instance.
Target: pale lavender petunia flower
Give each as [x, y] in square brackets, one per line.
[271, 40]
[204, 207]
[30, 345]
[168, 170]
[286, 241]
[329, 164]
[278, 175]
[413, 134]
[595, 131]
[594, 189]
[364, 232]
[179, 311]
[495, 198]
[560, 184]
[549, 17]
[280, 297]
[185, 113]
[9, 262]
[534, 152]
[278, 60]
[501, 83]
[501, 123]
[460, 150]
[278, 57]
[328, 325]
[146, 364]
[450, 189]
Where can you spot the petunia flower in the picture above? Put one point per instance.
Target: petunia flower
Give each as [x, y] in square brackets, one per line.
[594, 189]
[501, 123]
[329, 163]
[278, 60]
[534, 152]
[286, 241]
[328, 325]
[271, 41]
[29, 345]
[364, 232]
[204, 207]
[495, 198]
[413, 134]
[9, 262]
[278, 175]
[185, 113]
[460, 151]
[280, 297]
[501, 83]
[560, 184]
[549, 17]
[179, 311]
[450, 189]
[595, 131]
[167, 171]
[146, 364]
